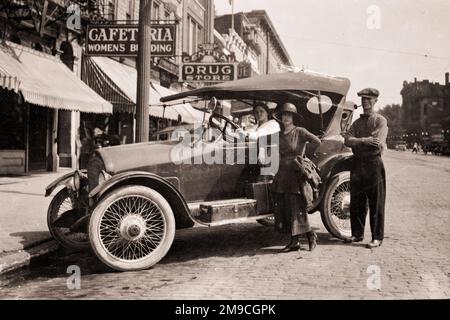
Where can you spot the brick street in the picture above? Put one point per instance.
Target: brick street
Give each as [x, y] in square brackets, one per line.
[242, 261]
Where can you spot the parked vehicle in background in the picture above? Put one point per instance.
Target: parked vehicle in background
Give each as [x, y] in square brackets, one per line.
[434, 141]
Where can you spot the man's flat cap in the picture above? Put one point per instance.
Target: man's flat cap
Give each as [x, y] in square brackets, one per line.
[369, 92]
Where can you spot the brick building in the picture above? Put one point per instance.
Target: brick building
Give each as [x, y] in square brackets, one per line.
[425, 105]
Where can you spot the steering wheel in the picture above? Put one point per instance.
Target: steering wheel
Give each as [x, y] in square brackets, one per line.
[214, 122]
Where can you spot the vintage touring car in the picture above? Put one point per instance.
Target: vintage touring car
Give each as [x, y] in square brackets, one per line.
[131, 199]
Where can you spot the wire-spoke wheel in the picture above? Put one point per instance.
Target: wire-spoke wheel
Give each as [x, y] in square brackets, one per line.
[132, 228]
[335, 211]
[61, 203]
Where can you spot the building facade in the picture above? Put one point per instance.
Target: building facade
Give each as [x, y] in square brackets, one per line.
[263, 49]
[425, 105]
[40, 116]
[194, 23]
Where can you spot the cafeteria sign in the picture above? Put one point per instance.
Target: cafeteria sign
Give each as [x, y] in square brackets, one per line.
[122, 40]
[208, 65]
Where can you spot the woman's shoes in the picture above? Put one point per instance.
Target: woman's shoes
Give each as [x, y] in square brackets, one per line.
[291, 247]
[294, 245]
[312, 240]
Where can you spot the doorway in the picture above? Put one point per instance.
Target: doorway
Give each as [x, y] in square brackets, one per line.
[39, 124]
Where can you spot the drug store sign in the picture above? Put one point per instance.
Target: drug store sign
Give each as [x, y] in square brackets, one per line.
[209, 64]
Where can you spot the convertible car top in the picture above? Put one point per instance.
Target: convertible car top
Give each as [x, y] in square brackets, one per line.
[292, 81]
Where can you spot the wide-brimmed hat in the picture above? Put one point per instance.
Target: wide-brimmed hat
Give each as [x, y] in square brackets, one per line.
[289, 108]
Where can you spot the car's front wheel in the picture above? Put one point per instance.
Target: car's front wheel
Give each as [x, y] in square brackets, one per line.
[62, 202]
[335, 209]
[132, 228]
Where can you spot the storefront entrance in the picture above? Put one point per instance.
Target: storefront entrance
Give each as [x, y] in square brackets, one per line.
[39, 132]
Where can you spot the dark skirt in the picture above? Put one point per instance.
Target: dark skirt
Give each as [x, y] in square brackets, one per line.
[290, 213]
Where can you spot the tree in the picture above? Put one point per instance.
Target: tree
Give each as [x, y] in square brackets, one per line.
[393, 115]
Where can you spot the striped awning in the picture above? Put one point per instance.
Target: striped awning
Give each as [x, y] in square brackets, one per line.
[44, 80]
[122, 80]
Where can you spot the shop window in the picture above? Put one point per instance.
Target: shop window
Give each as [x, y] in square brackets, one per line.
[12, 121]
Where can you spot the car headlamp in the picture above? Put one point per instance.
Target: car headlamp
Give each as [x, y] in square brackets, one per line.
[76, 180]
[103, 176]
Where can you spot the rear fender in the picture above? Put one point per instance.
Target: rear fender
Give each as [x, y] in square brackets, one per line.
[179, 207]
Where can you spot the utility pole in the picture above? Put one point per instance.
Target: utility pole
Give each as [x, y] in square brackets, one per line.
[143, 72]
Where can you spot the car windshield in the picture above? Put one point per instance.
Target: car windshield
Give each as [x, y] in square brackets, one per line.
[239, 106]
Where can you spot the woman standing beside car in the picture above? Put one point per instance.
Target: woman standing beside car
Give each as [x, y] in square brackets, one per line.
[291, 214]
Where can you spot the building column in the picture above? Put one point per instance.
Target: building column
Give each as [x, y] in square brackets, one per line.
[53, 159]
[74, 148]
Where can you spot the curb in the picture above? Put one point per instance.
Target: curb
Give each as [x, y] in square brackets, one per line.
[15, 260]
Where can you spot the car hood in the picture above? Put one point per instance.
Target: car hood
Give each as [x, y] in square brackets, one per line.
[134, 156]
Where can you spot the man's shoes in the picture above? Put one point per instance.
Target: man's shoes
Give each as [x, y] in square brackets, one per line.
[374, 244]
[353, 239]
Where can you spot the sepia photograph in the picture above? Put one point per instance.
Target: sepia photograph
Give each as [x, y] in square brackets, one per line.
[224, 155]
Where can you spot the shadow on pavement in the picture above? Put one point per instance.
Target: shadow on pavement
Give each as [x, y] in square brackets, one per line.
[31, 238]
[189, 245]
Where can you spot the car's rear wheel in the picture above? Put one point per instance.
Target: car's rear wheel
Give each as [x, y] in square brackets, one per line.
[335, 209]
[62, 202]
[132, 228]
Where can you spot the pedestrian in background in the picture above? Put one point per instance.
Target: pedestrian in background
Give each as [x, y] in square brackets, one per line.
[415, 148]
[290, 206]
[367, 138]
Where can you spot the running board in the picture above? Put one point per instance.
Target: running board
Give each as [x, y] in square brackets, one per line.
[218, 212]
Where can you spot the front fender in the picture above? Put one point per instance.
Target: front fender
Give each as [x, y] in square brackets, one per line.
[65, 180]
[176, 200]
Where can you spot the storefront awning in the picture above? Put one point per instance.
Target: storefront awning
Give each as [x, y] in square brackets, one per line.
[44, 80]
[125, 78]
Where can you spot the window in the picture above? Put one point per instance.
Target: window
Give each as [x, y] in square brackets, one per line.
[129, 14]
[155, 11]
[195, 35]
[110, 10]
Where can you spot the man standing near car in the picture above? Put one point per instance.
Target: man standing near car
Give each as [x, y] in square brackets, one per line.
[367, 138]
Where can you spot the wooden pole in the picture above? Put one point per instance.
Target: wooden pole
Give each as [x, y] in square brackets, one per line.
[143, 72]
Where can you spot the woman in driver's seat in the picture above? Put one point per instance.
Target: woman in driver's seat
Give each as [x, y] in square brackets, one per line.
[265, 127]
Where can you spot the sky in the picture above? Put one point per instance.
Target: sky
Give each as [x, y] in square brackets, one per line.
[374, 43]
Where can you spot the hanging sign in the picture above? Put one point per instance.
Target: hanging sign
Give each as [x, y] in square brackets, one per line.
[121, 40]
[209, 64]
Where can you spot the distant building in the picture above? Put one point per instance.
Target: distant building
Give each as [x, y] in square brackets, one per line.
[425, 105]
[263, 49]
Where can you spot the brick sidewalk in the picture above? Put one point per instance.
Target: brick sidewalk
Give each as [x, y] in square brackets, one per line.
[242, 261]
